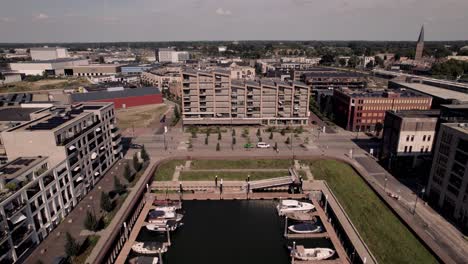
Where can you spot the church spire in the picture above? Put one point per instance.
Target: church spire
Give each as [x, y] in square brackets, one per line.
[421, 34]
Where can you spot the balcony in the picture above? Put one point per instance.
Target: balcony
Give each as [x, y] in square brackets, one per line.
[76, 135]
[21, 234]
[116, 137]
[33, 190]
[47, 179]
[73, 161]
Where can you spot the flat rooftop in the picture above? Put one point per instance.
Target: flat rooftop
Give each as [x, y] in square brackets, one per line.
[17, 113]
[50, 61]
[385, 93]
[17, 167]
[337, 74]
[60, 116]
[436, 91]
[417, 113]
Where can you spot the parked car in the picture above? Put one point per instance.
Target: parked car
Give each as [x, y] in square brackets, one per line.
[262, 145]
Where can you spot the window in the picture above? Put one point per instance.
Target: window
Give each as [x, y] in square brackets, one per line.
[406, 149]
[463, 145]
[407, 138]
[412, 138]
[410, 149]
[424, 138]
[429, 138]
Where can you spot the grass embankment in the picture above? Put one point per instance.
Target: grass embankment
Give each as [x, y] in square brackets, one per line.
[45, 84]
[166, 170]
[240, 164]
[230, 175]
[387, 237]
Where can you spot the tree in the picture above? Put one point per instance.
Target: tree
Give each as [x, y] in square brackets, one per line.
[194, 134]
[276, 145]
[136, 162]
[90, 222]
[327, 59]
[11, 186]
[397, 56]
[353, 61]
[144, 154]
[219, 135]
[72, 248]
[128, 175]
[378, 128]
[283, 132]
[176, 112]
[206, 140]
[342, 62]
[379, 61]
[271, 135]
[233, 140]
[370, 65]
[119, 187]
[288, 141]
[233, 132]
[217, 147]
[101, 60]
[259, 133]
[106, 203]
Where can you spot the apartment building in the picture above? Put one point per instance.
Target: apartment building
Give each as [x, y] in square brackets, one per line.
[213, 98]
[362, 110]
[447, 188]
[408, 137]
[55, 160]
[331, 79]
[171, 55]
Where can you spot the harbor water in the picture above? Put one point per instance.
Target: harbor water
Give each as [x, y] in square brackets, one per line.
[229, 232]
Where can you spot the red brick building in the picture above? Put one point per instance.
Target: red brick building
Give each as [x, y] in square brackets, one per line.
[123, 98]
[362, 110]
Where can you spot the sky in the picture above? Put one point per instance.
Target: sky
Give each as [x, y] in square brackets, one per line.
[185, 20]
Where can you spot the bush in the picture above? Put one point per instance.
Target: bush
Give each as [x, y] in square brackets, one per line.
[144, 154]
[233, 140]
[206, 140]
[119, 187]
[72, 248]
[91, 223]
[283, 132]
[194, 134]
[128, 174]
[136, 162]
[218, 147]
[233, 132]
[259, 133]
[271, 135]
[276, 145]
[219, 136]
[11, 186]
[106, 203]
[288, 141]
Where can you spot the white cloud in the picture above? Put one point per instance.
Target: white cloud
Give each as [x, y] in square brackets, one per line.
[223, 12]
[41, 16]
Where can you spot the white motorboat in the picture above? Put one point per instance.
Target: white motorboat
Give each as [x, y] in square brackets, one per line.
[149, 247]
[164, 225]
[144, 260]
[305, 228]
[156, 215]
[289, 206]
[308, 254]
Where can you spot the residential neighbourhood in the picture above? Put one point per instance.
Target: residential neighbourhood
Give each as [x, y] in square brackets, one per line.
[233, 151]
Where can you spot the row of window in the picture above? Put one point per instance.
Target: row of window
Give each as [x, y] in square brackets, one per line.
[409, 149]
[424, 138]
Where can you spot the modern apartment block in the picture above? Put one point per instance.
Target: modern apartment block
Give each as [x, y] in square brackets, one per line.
[362, 110]
[171, 55]
[447, 188]
[408, 137]
[213, 98]
[54, 161]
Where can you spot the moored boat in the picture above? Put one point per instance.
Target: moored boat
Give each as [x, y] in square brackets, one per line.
[164, 225]
[149, 247]
[305, 228]
[308, 254]
[290, 206]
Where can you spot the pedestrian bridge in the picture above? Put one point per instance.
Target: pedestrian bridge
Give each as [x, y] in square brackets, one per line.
[292, 179]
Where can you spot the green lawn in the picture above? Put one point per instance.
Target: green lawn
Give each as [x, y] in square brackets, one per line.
[230, 176]
[388, 239]
[240, 164]
[166, 170]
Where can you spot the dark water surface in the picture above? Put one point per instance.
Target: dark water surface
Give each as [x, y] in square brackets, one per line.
[230, 232]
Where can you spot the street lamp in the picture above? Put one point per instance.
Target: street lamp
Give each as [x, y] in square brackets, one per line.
[417, 196]
[385, 185]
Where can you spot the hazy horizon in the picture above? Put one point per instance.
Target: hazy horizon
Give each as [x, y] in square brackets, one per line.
[58, 21]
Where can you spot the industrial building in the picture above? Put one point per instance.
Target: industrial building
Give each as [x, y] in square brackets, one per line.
[122, 98]
[49, 67]
[363, 110]
[93, 70]
[48, 53]
[447, 188]
[213, 98]
[55, 160]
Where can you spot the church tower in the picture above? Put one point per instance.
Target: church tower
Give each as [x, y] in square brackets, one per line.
[420, 45]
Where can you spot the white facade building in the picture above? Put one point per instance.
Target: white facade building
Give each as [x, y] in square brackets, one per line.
[52, 67]
[46, 53]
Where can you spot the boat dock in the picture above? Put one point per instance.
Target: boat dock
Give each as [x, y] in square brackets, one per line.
[340, 253]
